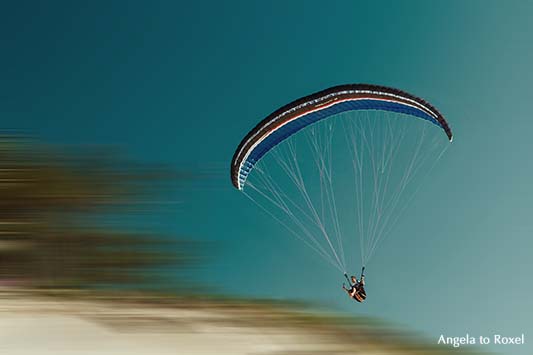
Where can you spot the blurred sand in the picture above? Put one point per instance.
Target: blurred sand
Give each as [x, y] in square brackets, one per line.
[54, 326]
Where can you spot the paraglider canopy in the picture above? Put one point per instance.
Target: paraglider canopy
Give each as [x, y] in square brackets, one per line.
[302, 179]
[300, 113]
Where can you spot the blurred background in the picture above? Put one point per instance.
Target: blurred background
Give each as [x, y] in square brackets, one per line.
[120, 230]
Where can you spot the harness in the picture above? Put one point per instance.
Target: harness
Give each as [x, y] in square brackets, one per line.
[358, 293]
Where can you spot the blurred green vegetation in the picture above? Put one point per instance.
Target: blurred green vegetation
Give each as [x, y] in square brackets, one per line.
[66, 219]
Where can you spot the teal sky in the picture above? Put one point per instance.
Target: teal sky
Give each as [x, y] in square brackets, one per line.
[182, 82]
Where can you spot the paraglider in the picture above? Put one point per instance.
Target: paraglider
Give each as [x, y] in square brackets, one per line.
[296, 163]
[357, 287]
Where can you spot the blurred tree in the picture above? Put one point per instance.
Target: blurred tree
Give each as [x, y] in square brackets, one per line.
[62, 219]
